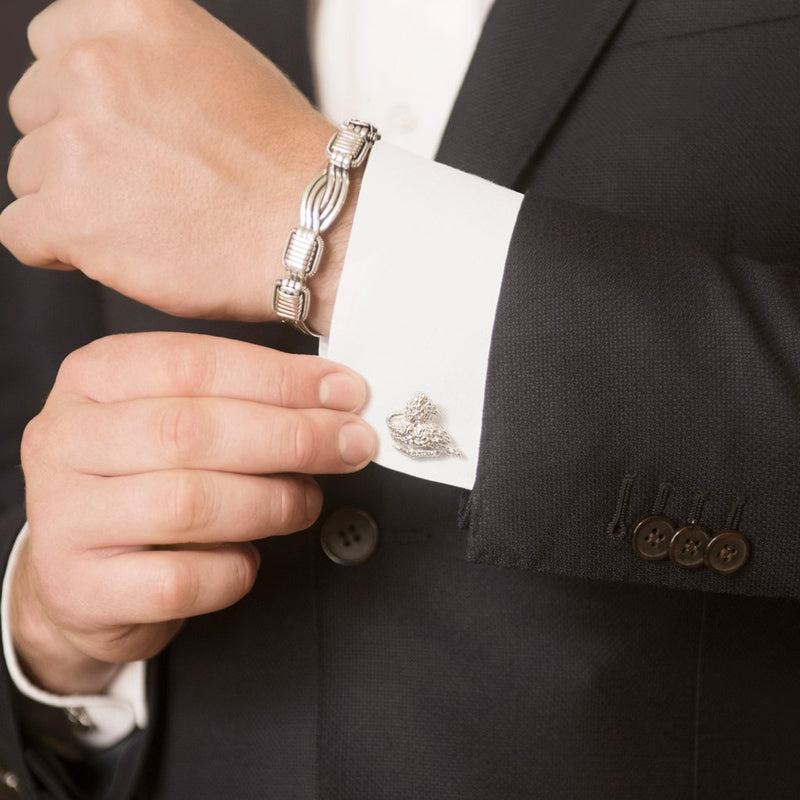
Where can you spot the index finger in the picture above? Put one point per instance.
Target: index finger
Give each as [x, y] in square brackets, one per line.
[165, 364]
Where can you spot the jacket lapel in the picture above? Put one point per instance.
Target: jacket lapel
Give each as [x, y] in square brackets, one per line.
[531, 58]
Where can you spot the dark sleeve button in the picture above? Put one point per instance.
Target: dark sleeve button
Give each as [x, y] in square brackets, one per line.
[349, 536]
[688, 546]
[727, 552]
[651, 538]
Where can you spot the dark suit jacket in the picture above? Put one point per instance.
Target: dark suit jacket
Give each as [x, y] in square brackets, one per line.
[507, 643]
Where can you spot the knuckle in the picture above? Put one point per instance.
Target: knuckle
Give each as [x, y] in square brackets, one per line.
[74, 137]
[47, 439]
[244, 572]
[37, 33]
[15, 96]
[91, 61]
[183, 431]
[177, 589]
[190, 365]
[280, 386]
[312, 509]
[302, 443]
[76, 367]
[290, 504]
[24, 102]
[100, 359]
[15, 169]
[15, 110]
[298, 506]
[189, 502]
[35, 439]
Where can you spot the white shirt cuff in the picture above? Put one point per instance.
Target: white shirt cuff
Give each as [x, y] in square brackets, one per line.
[113, 715]
[417, 298]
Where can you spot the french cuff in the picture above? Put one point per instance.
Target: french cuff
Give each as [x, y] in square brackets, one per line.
[98, 721]
[416, 304]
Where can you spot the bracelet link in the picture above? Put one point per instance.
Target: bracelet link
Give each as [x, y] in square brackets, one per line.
[290, 300]
[303, 251]
[322, 201]
[350, 145]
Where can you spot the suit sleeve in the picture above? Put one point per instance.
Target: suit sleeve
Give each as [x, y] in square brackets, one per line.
[633, 372]
[632, 375]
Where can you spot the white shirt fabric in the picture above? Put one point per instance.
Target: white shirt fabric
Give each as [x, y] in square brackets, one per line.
[397, 63]
[416, 303]
[417, 297]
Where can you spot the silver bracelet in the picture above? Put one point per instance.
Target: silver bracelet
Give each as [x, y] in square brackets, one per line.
[322, 201]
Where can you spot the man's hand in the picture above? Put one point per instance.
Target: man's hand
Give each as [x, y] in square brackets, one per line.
[155, 462]
[165, 157]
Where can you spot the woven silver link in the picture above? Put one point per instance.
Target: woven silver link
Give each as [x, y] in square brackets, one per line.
[321, 204]
[351, 145]
[323, 198]
[303, 251]
[290, 301]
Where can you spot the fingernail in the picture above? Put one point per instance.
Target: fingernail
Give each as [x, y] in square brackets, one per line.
[342, 391]
[357, 443]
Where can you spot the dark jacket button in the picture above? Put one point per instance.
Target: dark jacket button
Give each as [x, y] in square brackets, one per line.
[688, 546]
[349, 536]
[727, 552]
[651, 538]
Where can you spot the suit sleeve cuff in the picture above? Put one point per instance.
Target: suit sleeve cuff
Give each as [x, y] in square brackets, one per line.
[416, 302]
[112, 716]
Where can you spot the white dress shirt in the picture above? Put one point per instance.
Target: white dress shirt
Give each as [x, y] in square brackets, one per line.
[415, 307]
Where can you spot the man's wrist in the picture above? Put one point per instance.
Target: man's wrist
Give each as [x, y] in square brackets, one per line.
[325, 284]
[321, 205]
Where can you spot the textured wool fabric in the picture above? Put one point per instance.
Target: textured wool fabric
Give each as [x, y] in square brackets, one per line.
[508, 643]
[640, 352]
[728, 426]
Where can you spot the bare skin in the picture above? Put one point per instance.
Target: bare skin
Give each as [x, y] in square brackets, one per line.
[132, 473]
[165, 157]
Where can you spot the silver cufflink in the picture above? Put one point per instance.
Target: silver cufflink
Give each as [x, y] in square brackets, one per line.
[78, 717]
[415, 433]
